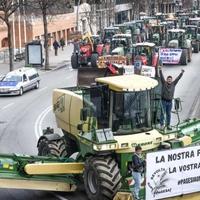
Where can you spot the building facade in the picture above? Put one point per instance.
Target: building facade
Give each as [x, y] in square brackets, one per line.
[168, 6]
[26, 28]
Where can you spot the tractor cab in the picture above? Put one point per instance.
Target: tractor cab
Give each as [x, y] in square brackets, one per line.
[176, 38]
[183, 19]
[191, 31]
[172, 23]
[109, 32]
[146, 52]
[194, 21]
[194, 36]
[121, 44]
[137, 30]
[158, 33]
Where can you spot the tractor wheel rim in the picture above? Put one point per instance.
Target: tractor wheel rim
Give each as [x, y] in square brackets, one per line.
[92, 181]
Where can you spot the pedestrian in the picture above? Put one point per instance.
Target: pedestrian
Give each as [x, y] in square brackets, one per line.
[62, 43]
[167, 95]
[138, 167]
[56, 46]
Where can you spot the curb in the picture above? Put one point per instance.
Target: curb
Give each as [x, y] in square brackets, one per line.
[61, 66]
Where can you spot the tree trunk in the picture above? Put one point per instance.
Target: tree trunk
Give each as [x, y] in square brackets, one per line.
[46, 46]
[90, 26]
[10, 46]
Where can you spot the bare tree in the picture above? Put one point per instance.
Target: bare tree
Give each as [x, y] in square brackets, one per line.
[88, 14]
[48, 9]
[7, 8]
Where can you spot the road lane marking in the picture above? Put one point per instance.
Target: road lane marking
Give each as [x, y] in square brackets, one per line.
[39, 121]
[7, 106]
[60, 197]
[195, 105]
[41, 89]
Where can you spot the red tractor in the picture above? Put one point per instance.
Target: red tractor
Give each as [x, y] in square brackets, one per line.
[87, 51]
[145, 54]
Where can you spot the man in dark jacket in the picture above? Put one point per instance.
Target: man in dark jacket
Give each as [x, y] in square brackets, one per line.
[56, 46]
[138, 165]
[167, 95]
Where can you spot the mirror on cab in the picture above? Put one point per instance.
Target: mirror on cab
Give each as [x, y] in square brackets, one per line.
[177, 105]
[84, 114]
[83, 118]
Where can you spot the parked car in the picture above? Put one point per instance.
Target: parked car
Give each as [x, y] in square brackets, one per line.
[19, 81]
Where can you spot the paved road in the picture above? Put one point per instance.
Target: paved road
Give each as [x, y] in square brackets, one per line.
[22, 118]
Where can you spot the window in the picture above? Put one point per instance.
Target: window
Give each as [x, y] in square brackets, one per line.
[96, 101]
[131, 112]
[33, 76]
[12, 78]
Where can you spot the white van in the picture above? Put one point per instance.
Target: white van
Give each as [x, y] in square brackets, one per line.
[19, 81]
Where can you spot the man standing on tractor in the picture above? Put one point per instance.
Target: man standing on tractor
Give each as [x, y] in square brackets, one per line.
[167, 95]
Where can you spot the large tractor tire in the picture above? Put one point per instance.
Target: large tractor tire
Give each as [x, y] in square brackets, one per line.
[54, 148]
[94, 59]
[184, 57]
[74, 61]
[102, 178]
[196, 48]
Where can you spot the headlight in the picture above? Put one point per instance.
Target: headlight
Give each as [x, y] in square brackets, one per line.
[124, 145]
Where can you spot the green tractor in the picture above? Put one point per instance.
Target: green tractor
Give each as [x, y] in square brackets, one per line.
[121, 44]
[192, 33]
[178, 48]
[158, 34]
[108, 33]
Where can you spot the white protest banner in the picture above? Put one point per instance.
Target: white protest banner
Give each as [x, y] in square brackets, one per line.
[170, 55]
[145, 70]
[148, 71]
[172, 173]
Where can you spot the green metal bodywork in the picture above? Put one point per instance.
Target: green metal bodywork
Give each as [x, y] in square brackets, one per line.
[12, 167]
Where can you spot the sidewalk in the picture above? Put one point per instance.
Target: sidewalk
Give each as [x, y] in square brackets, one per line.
[63, 59]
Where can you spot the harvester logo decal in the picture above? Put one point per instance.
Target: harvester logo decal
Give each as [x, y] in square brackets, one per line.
[59, 106]
[158, 182]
